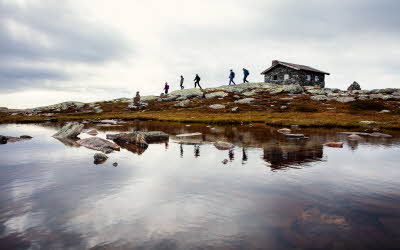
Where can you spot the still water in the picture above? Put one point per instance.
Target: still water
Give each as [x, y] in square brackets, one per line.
[272, 193]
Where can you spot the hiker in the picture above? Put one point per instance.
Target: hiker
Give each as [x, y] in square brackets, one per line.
[182, 79]
[246, 73]
[197, 81]
[231, 77]
[166, 88]
[136, 100]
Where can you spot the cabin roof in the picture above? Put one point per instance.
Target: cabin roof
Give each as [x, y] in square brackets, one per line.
[293, 66]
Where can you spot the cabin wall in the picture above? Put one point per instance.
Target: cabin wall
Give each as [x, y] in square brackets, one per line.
[295, 76]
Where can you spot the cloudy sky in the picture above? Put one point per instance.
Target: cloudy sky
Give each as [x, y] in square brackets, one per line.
[86, 50]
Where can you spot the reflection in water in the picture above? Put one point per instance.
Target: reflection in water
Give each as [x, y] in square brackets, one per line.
[51, 197]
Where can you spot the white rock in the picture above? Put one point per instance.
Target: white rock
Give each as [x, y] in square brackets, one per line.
[245, 101]
[217, 106]
[218, 94]
[182, 103]
[319, 98]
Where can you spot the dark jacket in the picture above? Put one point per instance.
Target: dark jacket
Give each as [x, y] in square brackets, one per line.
[232, 75]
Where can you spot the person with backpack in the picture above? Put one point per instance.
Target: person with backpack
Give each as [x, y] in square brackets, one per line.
[231, 77]
[182, 79]
[166, 88]
[197, 81]
[246, 73]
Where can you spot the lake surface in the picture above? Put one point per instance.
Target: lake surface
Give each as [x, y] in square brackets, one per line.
[272, 193]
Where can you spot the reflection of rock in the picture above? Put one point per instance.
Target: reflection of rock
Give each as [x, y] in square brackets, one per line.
[99, 158]
[11, 139]
[334, 144]
[68, 142]
[224, 145]
[284, 155]
[189, 134]
[99, 144]
[132, 147]
[70, 130]
[354, 137]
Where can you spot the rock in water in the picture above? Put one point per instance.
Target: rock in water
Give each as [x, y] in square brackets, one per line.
[224, 145]
[334, 144]
[153, 136]
[3, 139]
[284, 131]
[99, 144]
[93, 132]
[115, 164]
[354, 86]
[99, 158]
[70, 130]
[354, 137]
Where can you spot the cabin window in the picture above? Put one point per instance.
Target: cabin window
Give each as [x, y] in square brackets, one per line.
[275, 77]
[316, 78]
[308, 77]
[286, 77]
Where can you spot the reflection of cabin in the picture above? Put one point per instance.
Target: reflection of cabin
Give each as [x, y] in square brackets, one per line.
[281, 156]
[289, 73]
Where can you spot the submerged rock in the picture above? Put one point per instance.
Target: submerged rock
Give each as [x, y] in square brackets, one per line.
[99, 158]
[70, 130]
[99, 144]
[334, 144]
[224, 145]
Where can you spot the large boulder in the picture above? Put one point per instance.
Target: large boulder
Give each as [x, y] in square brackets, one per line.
[70, 130]
[292, 89]
[354, 86]
[99, 144]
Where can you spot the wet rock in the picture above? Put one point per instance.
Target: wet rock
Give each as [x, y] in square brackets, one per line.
[235, 109]
[218, 94]
[70, 130]
[245, 101]
[115, 164]
[376, 134]
[216, 106]
[334, 144]
[224, 145]
[93, 132]
[99, 144]
[3, 139]
[99, 158]
[354, 137]
[284, 131]
[384, 111]
[354, 86]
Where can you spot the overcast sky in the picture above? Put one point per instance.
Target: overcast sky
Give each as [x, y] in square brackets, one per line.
[86, 50]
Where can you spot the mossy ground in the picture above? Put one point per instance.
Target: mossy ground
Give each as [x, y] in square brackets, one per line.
[266, 108]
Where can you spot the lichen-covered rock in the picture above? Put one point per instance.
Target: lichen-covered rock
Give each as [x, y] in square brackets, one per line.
[292, 89]
[182, 103]
[354, 86]
[245, 101]
[99, 158]
[99, 144]
[188, 93]
[319, 98]
[70, 130]
[218, 94]
[217, 106]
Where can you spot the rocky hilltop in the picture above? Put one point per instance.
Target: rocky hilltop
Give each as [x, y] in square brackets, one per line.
[232, 102]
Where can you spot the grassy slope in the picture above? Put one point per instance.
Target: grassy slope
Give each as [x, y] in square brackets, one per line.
[330, 114]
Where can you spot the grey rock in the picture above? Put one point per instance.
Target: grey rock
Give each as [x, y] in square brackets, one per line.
[284, 131]
[235, 109]
[99, 158]
[115, 164]
[3, 139]
[70, 130]
[295, 135]
[354, 137]
[344, 99]
[319, 98]
[98, 109]
[384, 111]
[217, 94]
[217, 106]
[99, 144]
[368, 122]
[354, 86]
[376, 134]
[245, 101]
[182, 103]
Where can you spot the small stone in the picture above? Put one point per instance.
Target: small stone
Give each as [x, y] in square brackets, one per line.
[225, 161]
[283, 107]
[235, 109]
[284, 131]
[384, 111]
[216, 106]
[368, 122]
[115, 164]
[99, 158]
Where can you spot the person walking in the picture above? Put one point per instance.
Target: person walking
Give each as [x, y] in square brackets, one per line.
[231, 77]
[182, 79]
[166, 88]
[197, 81]
[246, 73]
